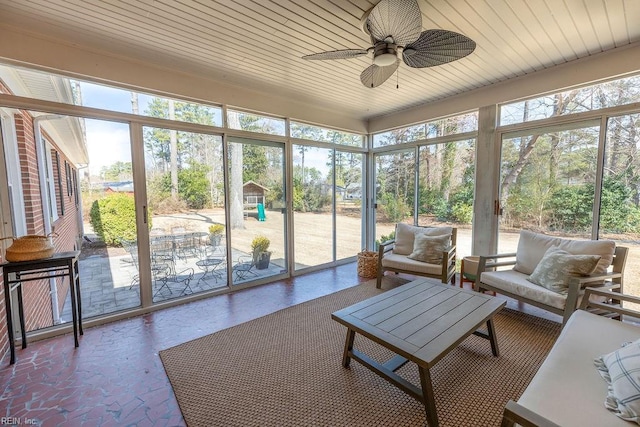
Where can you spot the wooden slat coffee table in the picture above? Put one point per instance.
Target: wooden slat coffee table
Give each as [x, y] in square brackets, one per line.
[421, 322]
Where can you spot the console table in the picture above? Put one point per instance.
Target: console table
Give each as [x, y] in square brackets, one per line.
[63, 264]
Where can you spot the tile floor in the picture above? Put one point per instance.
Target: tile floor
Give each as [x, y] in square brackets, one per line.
[116, 378]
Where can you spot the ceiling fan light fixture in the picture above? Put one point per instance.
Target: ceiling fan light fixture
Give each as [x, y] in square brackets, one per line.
[385, 54]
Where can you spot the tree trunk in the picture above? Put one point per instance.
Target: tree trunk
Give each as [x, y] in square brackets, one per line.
[235, 188]
[173, 139]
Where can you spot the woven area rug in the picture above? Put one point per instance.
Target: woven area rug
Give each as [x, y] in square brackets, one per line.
[284, 369]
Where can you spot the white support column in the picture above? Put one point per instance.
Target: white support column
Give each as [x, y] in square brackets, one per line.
[485, 224]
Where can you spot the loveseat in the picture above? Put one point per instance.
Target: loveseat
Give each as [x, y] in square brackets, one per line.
[551, 272]
[421, 251]
[574, 380]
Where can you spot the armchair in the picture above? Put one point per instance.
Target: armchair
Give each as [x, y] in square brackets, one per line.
[404, 253]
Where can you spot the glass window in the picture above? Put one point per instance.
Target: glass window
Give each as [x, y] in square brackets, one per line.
[86, 94]
[446, 187]
[124, 101]
[443, 127]
[255, 123]
[548, 183]
[14, 174]
[315, 133]
[590, 98]
[50, 182]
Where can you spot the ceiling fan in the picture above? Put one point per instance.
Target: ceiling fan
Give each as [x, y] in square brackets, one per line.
[395, 26]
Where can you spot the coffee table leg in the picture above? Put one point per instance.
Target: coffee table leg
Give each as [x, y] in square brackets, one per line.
[491, 331]
[427, 396]
[348, 346]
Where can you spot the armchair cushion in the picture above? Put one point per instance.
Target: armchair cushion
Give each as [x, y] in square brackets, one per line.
[557, 265]
[533, 246]
[402, 262]
[429, 248]
[405, 236]
[621, 371]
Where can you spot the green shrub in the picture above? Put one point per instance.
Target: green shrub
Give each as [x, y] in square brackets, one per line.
[462, 213]
[114, 217]
[394, 207]
[384, 238]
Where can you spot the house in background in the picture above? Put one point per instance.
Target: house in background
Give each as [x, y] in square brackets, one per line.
[39, 159]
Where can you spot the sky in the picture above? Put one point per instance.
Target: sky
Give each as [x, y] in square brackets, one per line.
[108, 142]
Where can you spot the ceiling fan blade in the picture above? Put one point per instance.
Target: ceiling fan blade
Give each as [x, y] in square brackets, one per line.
[336, 54]
[374, 76]
[398, 19]
[437, 47]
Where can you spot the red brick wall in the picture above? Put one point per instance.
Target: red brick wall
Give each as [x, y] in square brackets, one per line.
[36, 294]
[4, 340]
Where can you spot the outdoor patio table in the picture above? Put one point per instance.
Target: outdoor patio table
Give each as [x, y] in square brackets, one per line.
[209, 266]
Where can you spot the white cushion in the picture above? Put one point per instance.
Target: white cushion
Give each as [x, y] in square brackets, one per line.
[621, 371]
[567, 389]
[533, 246]
[516, 283]
[401, 262]
[405, 235]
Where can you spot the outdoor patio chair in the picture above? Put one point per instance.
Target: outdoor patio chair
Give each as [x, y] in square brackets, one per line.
[187, 244]
[244, 267]
[210, 264]
[163, 277]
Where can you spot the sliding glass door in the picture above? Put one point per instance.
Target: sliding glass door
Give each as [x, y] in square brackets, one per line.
[187, 225]
[394, 191]
[258, 209]
[619, 214]
[548, 181]
[327, 195]
[446, 188]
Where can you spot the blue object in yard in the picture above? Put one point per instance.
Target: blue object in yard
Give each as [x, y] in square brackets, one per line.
[261, 215]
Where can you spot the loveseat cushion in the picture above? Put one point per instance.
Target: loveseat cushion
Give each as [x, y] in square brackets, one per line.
[514, 282]
[533, 246]
[402, 262]
[405, 236]
[567, 389]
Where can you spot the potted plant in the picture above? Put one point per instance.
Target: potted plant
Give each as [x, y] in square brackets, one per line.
[261, 253]
[215, 234]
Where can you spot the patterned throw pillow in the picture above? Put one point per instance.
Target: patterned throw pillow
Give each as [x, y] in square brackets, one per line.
[557, 266]
[621, 370]
[429, 248]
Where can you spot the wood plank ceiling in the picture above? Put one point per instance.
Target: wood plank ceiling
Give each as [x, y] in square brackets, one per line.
[259, 43]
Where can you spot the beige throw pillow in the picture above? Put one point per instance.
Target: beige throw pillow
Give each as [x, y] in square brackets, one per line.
[405, 236]
[429, 248]
[557, 266]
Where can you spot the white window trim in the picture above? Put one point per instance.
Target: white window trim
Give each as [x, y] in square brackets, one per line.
[14, 176]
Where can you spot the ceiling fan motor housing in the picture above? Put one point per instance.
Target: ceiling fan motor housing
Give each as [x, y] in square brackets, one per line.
[385, 54]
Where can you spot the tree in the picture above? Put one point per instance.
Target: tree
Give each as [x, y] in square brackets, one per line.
[118, 171]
